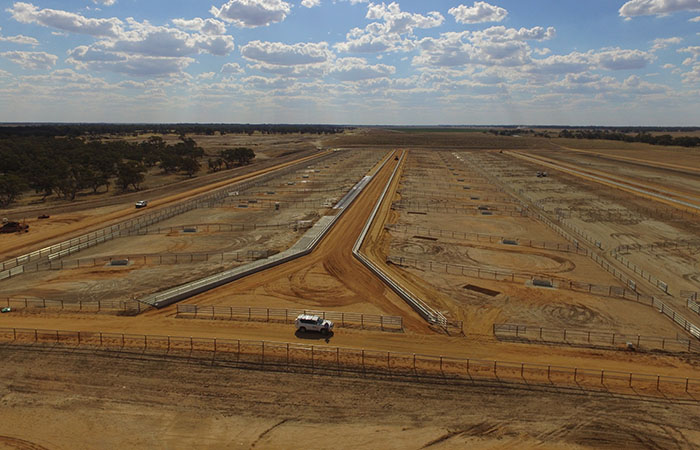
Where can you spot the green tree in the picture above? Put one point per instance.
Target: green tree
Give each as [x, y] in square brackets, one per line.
[11, 188]
[190, 166]
[130, 173]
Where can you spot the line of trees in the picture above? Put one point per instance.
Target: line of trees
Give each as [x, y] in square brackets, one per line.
[641, 136]
[76, 130]
[66, 166]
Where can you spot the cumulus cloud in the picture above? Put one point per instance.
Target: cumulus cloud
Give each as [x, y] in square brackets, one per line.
[357, 69]
[252, 13]
[84, 57]
[401, 22]
[105, 2]
[493, 46]
[133, 47]
[478, 13]
[231, 69]
[387, 35]
[19, 39]
[281, 54]
[310, 3]
[31, 60]
[634, 8]
[621, 59]
[662, 43]
[204, 26]
[66, 21]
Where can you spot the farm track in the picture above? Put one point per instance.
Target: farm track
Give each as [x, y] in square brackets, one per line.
[684, 200]
[166, 196]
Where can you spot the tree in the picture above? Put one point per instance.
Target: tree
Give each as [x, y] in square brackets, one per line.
[190, 166]
[130, 173]
[11, 187]
[239, 156]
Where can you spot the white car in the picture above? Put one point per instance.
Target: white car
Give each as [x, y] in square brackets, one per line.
[141, 204]
[307, 322]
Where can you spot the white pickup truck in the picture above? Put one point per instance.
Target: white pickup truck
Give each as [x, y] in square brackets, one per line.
[307, 322]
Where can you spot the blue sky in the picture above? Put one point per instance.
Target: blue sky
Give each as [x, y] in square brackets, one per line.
[594, 62]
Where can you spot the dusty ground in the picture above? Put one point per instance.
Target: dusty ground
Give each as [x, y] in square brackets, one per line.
[302, 195]
[115, 400]
[188, 402]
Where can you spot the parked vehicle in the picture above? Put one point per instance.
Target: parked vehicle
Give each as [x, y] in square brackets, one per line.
[6, 309]
[14, 227]
[141, 204]
[307, 322]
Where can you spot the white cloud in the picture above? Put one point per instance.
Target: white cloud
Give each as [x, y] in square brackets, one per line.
[31, 60]
[281, 54]
[310, 3]
[635, 8]
[496, 45]
[662, 43]
[694, 19]
[231, 69]
[66, 21]
[401, 22]
[357, 69]
[387, 36]
[693, 76]
[19, 39]
[105, 2]
[205, 26]
[87, 58]
[620, 59]
[252, 13]
[478, 13]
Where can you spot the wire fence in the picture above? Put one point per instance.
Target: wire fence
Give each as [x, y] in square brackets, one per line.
[154, 259]
[212, 228]
[126, 306]
[586, 338]
[473, 211]
[338, 360]
[522, 277]
[249, 313]
[490, 238]
[14, 266]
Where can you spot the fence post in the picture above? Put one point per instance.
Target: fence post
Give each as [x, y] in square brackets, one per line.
[312, 357]
[363, 359]
[14, 334]
[190, 343]
[263, 353]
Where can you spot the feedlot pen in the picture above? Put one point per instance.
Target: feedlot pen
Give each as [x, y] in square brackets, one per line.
[474, 242]
[247, 225]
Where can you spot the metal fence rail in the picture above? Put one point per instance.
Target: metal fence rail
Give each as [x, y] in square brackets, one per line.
[522, 277]
[13, 266]
[73, 305]
[336, 360]
[490, 238]
[151, 259]
[677, 318]
[342, 319]
[588, 338]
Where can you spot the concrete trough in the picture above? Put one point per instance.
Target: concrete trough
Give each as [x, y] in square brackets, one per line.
[542, 283]
[510, 242]
[118, 262]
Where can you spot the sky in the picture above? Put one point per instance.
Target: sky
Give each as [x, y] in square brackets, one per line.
[357, 62]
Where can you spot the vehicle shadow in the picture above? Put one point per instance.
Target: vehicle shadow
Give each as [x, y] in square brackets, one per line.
[314, 335]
